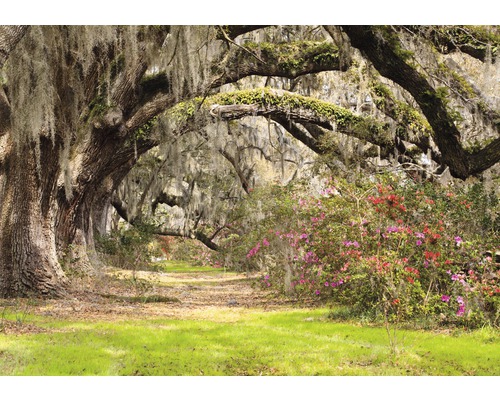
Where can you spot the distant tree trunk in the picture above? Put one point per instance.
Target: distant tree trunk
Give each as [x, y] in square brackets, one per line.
[107, 160]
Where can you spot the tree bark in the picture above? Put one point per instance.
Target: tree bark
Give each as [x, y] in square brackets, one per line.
[9, 37]
[29, 263]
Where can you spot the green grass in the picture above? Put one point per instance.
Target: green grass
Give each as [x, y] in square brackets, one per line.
[243, 342]
[183, 267]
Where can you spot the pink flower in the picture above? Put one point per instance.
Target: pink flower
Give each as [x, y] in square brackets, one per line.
[418, 242]
[445, 298]
[317, 292]
[265, 242]
[253, 251]
[326, 283]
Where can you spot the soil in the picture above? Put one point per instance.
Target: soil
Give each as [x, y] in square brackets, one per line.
[117, 295]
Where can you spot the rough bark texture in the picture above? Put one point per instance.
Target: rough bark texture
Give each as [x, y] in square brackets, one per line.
[28, 263]
[9, 37]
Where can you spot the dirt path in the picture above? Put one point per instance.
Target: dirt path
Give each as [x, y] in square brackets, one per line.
[122, 295]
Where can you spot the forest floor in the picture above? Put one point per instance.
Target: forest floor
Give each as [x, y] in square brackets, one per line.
[185, 320]
[118, 294]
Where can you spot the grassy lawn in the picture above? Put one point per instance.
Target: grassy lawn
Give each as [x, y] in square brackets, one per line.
[242, 342]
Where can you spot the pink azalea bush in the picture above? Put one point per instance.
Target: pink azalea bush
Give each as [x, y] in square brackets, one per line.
[384, 249]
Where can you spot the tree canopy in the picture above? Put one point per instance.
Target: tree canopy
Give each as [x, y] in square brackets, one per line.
[93, 117]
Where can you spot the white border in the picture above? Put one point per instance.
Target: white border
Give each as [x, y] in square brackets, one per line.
[298, 12]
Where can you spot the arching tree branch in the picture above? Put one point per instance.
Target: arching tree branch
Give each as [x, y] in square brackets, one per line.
[381, 47]
[122, 211]
[288, 60]
[471, 40]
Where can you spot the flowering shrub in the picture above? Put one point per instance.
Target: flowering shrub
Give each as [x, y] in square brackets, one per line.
[386, 249]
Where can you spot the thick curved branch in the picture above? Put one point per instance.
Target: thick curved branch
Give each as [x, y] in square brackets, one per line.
[201, 237]
[471, 40]
[289, 60]
[288, 109]
[151, 109]
[121, 209]
[286, 106]
[485, 158]
[381, 48]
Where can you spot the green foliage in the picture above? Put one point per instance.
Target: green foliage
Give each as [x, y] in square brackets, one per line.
[144, 131]
[130, 247]
[391, 251]
[477, 37]
[407, 116]
[290, 56]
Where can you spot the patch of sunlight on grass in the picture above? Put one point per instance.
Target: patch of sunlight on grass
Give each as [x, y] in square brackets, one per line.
[244, 342]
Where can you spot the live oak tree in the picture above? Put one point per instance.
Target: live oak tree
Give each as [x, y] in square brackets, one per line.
[80, 105]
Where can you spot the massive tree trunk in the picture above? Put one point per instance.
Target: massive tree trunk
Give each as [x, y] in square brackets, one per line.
[28, 261]
[63, 112]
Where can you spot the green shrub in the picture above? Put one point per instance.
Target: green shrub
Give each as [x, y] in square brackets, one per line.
[394, 250]
[131, 247]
